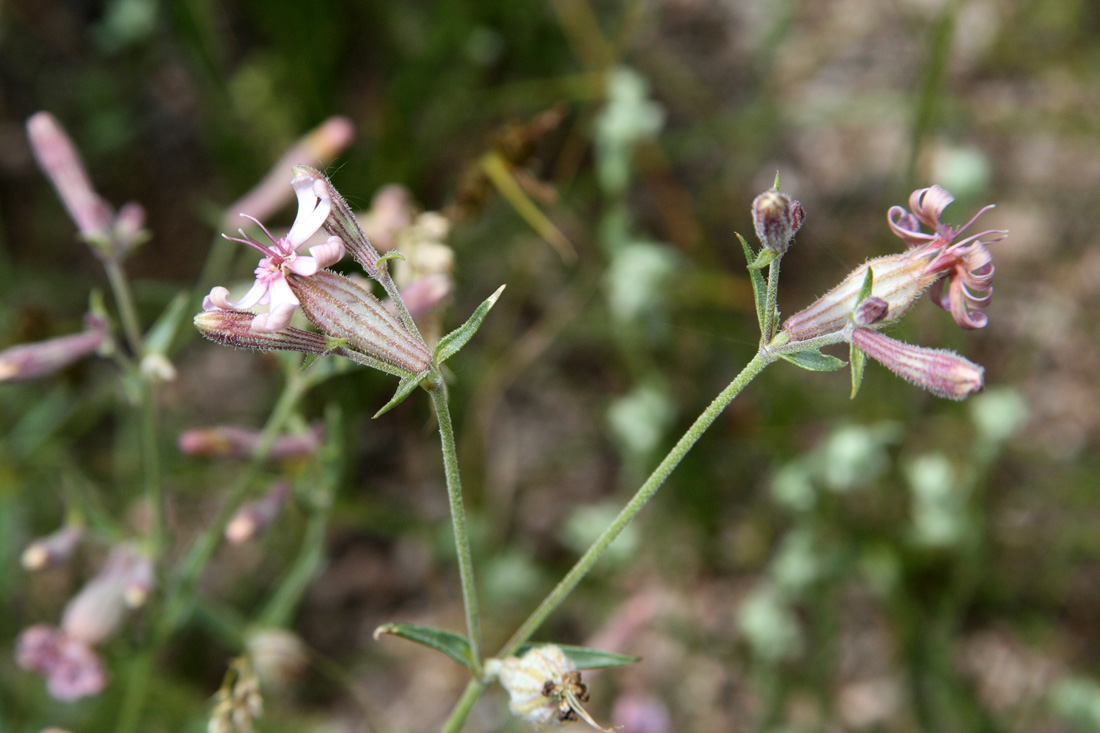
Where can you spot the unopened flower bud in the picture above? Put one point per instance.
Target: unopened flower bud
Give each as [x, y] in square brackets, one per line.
[57, 157]
[544, 687]
[230, 441]
[28, 361]
[96, 612]
[49, 551]
[318, 147]
[424, 295]
[254, 517]
[344, 310]
[943, 373]
[234, 328]
[278, 656]
[777, 218]
[870, 310]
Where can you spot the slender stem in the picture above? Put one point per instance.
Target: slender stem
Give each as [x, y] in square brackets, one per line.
[151, 467]
[643, 495]
[126, 310]
[278, 611]
[438, 392]
[770, 300]
[200, 552]
[463, 707]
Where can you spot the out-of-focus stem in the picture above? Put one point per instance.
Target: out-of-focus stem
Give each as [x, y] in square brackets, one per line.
[438, 392]
[120, 286]
[463, 707]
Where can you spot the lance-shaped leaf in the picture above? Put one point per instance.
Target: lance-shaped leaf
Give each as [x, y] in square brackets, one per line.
[454, 646]
[584, 657]
[813, 360]
[759, 287]
[449, 345]
[404, 388]
[858, 361]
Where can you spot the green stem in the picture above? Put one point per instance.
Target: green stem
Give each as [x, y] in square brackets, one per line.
[463, 707]
[770, 299]
[310, 557]
[151, 467]
[438, 392]
[643, 495]
[126, 310]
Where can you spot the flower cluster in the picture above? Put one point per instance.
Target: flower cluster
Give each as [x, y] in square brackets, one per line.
[959, 273]
[66, 655]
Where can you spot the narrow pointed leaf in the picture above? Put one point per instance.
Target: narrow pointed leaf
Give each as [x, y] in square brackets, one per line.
[585, 658]
[858, 361]
[404, 388]
[813, 360]
[449, 345]
[759, 287]
[308, 360]
[765, 258]
[159, 337]
[867, 287]
[454, 646]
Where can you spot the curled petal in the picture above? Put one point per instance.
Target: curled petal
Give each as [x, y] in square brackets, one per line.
[275, 319]
[329, 253]
[907, 227]
[304, 266]
[927, 205]
[313, 209]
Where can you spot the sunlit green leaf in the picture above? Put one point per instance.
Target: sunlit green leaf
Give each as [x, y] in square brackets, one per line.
[449, 345]
[814, 361]
[858, 360]
[404, 388]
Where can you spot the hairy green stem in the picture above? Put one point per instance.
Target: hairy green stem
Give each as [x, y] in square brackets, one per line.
[438, 392]
[462, 708]
[639, 500]
[770, 300]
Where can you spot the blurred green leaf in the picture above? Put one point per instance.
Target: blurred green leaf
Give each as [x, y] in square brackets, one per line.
[454, 646]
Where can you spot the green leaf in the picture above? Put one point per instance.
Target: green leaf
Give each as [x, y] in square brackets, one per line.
[759, 287]
[765, 258]
[867, 287]
[454, 646]
[404, 388]
[449, 345]
[585, 658]
[858, 361]
[813, 360]
[159, 338]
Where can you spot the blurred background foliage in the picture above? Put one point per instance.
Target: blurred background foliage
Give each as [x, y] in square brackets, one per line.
[893, 563]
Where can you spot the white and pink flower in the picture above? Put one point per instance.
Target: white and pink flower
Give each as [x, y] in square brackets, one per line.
[281, 258]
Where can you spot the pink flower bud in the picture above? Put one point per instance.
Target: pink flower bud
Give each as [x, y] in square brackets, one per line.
[342, 309]
[253, 518]
[59, 160]
[28, 361]
[234, 328]
[52, 550]
[943, 373]
[777, 218]
[870, 310]
[230, 441]
[318, 147]
[96, 612]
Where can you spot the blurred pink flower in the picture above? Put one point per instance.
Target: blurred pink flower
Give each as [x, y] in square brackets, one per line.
[71, 667]
[38, 359]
